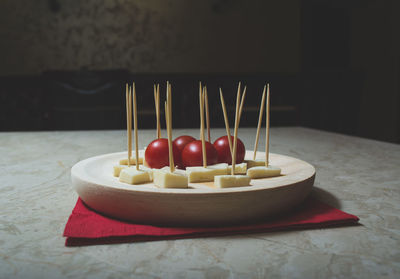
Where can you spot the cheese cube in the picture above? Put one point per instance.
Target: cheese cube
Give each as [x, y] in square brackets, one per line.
[221, 168]
[200, 174]
[132, 161]
[133, 176]
[118, 169]
[225, 181]
[262, 172]
[149, 170]
[177, 171]
[239, 168]
[166, 179]
[255, 163]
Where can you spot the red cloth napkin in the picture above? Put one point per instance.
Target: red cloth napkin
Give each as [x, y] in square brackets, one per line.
[87, 227]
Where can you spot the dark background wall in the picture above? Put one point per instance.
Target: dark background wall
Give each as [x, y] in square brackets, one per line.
[332, 65]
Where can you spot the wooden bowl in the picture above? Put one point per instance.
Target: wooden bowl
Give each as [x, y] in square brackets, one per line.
[201, 204]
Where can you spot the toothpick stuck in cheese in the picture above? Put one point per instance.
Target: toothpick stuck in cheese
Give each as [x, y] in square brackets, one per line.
[169, 177]
[131, 175]
[205, 174]
[165, 179]
[234, 180]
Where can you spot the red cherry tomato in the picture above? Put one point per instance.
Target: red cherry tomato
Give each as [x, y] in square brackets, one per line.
[192, 154]
[224, 154]
[157, 154]
[181, 142]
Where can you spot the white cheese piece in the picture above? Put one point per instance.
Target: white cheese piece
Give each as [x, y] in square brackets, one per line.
[221, 168]
[225, 181]
[201, 174]
[262, 172]
[149, 170]
[132, 161]
[133, 176]
[239, 168]
[166, 179]
[177, 171]
[255, 163]
[118, 169]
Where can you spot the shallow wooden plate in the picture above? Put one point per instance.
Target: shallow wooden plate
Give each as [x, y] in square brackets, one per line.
[201, 204]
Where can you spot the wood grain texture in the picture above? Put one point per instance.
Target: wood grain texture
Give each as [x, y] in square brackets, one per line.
[201, 204]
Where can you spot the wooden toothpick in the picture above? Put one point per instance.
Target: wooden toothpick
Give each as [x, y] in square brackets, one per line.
[260, 117]
[207, 114]
[130, 124]
[235, 131]
[157, 107]
[168, 120]
[267, 130]
[135, 126]
[203, 141]
[228, 131]
[242, 102]
[127, 123]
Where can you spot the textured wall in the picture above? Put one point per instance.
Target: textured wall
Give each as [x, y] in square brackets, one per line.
[149, 36]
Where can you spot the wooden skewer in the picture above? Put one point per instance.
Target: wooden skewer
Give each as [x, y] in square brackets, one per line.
[203, 142]
[200, 93]
[157, 106]
[267, 130]
[135, 127]
[228, 131]
[260, 117]
[235, 132]
[238, 90]
[168, 119]
[127, 122]
[207, 114]
[130, 122]
[170, 154]
[242, 102]
[130, 125]
[170, 107]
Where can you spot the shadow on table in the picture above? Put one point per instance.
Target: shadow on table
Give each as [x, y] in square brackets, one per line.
[325, 197]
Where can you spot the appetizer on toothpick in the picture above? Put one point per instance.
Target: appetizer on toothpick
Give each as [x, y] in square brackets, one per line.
[137, 175]
[259, 162]
[157, 152]
[170, 177]
[129, 160]
[124, 163]
[240, 168]
[204, 173]
[266, 170]
[233, 180]
[192, 154]
[224, 144]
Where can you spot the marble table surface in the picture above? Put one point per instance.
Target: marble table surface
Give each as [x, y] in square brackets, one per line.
[357, 175]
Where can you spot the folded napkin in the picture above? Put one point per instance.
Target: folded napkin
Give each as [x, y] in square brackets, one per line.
[87, 227]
